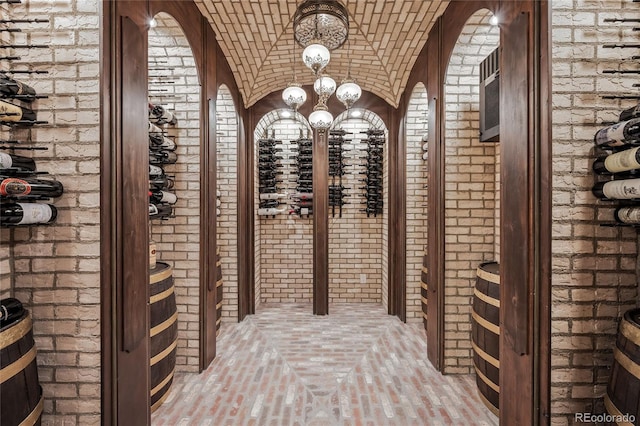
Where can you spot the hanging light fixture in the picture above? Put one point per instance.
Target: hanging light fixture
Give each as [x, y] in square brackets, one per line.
[324, 22]
[316, 57]
[294, 95]
[320, 118]
[324, 86]
[349, 91]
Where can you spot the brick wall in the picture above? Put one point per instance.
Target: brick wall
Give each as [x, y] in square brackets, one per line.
[594, 268]
[469, 188]
[355, 240]
[286, 241]
[416, 128]
[178, 238]
[227, 166]
[56, 269]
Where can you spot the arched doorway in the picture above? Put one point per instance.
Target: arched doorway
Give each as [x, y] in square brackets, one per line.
[227, 205]
[417, 178]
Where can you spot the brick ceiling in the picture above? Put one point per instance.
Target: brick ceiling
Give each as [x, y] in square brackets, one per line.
[385, 39]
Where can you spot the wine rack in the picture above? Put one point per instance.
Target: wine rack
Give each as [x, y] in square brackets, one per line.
[269, 176]
[302, 199]
[21, 183]
[162, 149]
[373, 172]
[337, 169]
[617, 166]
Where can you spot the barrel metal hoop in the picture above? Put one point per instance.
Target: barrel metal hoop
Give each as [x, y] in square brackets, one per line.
[164, 353]
[630, 332]
[425, 270]
[489, 405]
[219, 283]
[163, 382]
[613, 410]
[159, 402]
[626, 363]
[424, 300]
[162, 295]
[482, 354]
[488, 276]
[163, 325]
[18, 365]
[485, 379]
[16, 332]
[34, 415]
[486, 324]
[486, 299]
[162, 275]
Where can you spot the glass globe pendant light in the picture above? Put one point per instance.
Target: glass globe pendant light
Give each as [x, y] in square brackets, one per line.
[294, 95]
[316, 57]
[349, 91]
[324, 86]
[320, 118]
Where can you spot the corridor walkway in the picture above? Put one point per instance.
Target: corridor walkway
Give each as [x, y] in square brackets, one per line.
[356, 366]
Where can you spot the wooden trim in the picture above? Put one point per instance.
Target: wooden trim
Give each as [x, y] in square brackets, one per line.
[320, 222]
[397, 223]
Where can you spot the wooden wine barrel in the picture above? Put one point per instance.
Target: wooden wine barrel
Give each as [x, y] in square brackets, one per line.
[219, 293]
[20, 392]
[485, 334]
[164, 332]
[424, 295]
[623, 390]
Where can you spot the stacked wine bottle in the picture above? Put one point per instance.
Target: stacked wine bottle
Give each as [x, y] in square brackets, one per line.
[620, 144]
[337, 169]
[269, 176]
[161, 153]
[21, 184]
[373, 172]
[302, 198]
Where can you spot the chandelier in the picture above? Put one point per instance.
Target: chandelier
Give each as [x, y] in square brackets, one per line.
[324, 22]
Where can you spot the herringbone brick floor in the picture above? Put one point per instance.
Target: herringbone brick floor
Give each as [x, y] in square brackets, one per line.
[356, 366]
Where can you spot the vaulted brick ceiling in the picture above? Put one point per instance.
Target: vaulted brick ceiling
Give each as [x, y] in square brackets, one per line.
[385, 36]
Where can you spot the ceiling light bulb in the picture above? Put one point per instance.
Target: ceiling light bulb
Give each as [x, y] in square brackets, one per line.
[494, 20]
[153, 23]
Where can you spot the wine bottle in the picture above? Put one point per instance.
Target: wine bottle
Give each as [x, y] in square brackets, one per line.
[154, 129]
[161, 115]
[269, 211]
[11, 309]
[630, 113]
[162, 157]
[301, 211]
[155, 170]
[10, 161]
[302, 195]
[15, 113]
[624, 189]
[269, 203]
[10, 88]
[159, 211]
[273, 196]
[618, 134]
[304, 203]
[26, 213]
[630, 215]
[159, 196]
[161, 182]
[17, 187]
[619, 162]
[157, 141]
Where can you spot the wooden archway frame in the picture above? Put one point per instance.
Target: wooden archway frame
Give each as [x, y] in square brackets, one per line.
[525, 182]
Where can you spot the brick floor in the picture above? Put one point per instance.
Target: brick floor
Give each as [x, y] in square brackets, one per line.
[356, 366]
